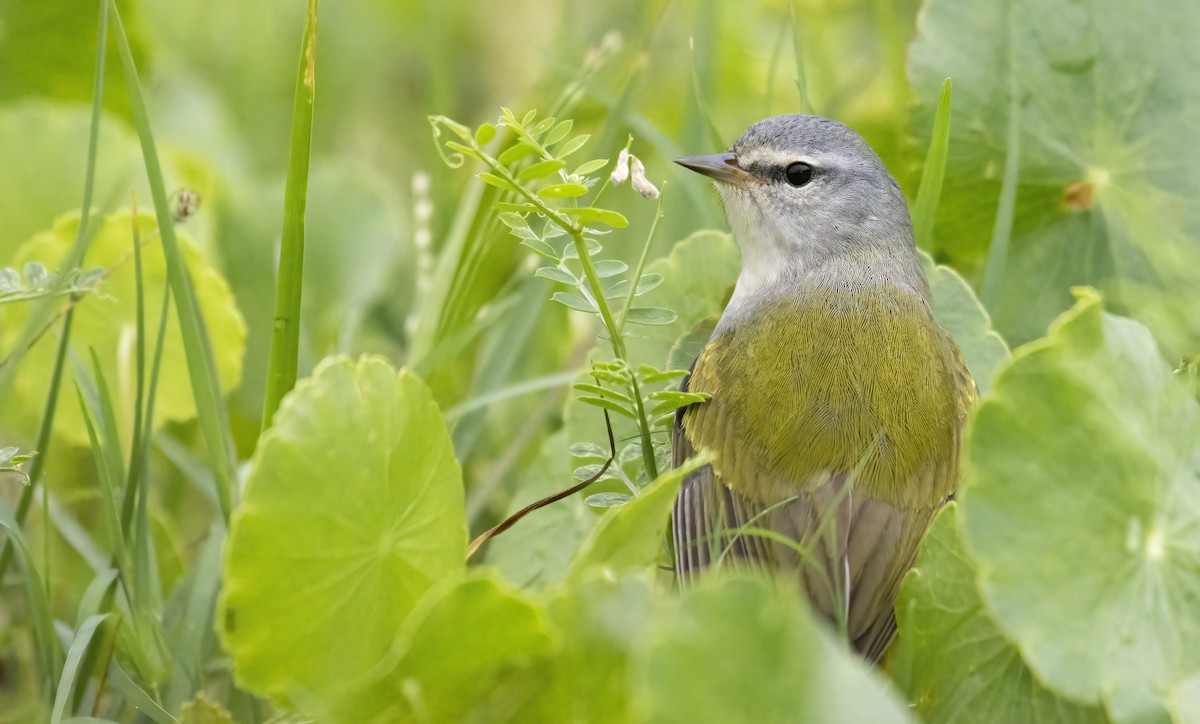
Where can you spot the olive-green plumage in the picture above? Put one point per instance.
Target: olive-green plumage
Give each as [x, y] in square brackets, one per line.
[836, 400]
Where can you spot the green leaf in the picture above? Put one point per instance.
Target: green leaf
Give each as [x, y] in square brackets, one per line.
[574, 301]
[670, 400]
[515, 152]
[610, 267]
[603, 623]
[76, 665]
[553, 273]
[562, 191]
[105, 323]
[593, 248]
[607, 500]
[558, 133]
[494, 180]
[649, 282]
[202, 710]
[484, 134]
[610, 405]
[744, 650]
[933, 173]
[540, 169]
[587, 215]
[653, 377]
[591, 470]
[1088, 443]
[537, 551]
[651, 316]
[284, 360]
[517, 208]
[629, 538]
[950, 659]
[572, 146]
[42, 147]
[959, 312]
[1098, 201]
[541, 248]
[603, 391]
[589, 166]
[464, 150]
[587, 450]
[453, 656]
[359, 553]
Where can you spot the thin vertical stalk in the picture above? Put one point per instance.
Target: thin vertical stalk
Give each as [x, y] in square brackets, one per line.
[933, 173]
[210, 409]
[285, 336]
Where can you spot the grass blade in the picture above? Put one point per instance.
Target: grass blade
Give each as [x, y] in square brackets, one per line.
[69, 682]
[108, 495]
[933, 173]
[48, 646]
[798, 50]
[41, 312]
[997, 258]
[285, 337]
[206, 390]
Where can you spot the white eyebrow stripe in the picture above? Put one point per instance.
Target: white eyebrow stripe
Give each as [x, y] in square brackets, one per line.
[773, 157]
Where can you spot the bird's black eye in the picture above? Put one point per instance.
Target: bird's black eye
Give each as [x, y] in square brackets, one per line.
[798, 173]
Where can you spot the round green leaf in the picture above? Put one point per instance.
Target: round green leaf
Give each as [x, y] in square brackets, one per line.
[951, 659]
[43, 150]
[1080, 502]
[458, 651]
[353, 509]
[107, 322]
[747, 651]
[1108, 168]
[959, 312]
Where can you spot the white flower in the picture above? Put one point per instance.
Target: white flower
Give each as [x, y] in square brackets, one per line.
[639, 182]
[621, 172]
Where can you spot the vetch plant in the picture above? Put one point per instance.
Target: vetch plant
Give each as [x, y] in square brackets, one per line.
[542, 209]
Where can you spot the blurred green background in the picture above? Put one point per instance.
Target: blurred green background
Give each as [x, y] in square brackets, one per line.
[1090, 111]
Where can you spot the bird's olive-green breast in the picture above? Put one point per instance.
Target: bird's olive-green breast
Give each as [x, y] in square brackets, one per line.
[827, 380]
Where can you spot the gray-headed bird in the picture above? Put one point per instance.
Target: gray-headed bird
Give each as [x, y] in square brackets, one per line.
[837, 401]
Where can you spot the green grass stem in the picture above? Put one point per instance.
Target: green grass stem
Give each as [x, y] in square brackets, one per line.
[285, 335]
[206, 391]
[933, 173]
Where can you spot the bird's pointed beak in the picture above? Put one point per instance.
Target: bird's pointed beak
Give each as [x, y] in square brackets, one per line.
[721, 167]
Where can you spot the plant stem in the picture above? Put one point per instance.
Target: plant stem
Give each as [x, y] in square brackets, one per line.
[597, 290]
[285, 336]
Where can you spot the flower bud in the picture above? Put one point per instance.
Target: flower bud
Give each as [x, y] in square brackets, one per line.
[638, 179]
[621, 172]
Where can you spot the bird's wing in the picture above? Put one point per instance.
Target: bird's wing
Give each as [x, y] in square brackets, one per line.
[874, 642]
[707, 516]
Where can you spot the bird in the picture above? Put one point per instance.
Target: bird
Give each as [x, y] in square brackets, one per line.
[835, 402]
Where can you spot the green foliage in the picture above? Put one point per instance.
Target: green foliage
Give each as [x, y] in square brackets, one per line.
[285, 336]
[576, 227]
[1088, 98]
[106, 323]
[940, 611]
[362, 551]
[1109, 617]
[38, 282]
[959, 312]
[786, 645]
[1061, 586]
[11, 460]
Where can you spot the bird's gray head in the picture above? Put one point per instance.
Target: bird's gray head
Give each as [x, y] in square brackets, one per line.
[803, 191]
